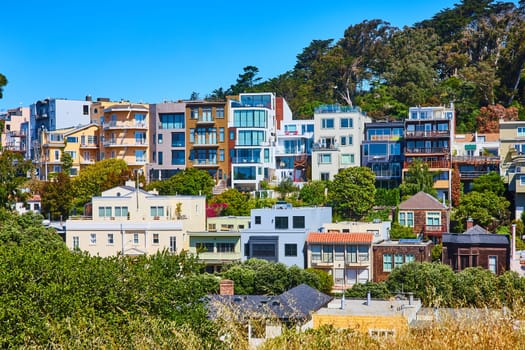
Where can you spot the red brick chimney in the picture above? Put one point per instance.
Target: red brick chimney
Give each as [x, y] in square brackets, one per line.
[226, 287]
[470, 223]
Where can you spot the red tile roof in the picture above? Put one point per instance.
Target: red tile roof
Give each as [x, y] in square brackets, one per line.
[336, 237]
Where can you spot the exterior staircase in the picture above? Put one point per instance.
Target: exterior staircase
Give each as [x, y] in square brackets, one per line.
[219, 188]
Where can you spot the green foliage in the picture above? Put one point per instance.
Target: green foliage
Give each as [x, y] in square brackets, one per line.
[418, 178]
[67, 163]
[377, 290]
[437, 252]
[486, 209]
[190, 181]
[260, 277]
[99, 177]
[491, 182]
[476, 287]
[57, 197]
[387, 197]
[398, 232]
[3, 82]
[237, 203]
[352, 192]
[13, 173]
[313, 193]
[285, 187]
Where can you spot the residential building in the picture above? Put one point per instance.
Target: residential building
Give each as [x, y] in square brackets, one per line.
[512, 161]
[382, 152]
[338, 135]
[428, 217]
[377, 318]
[279, 233]
[221, 243]
[129, 221]
[252, 125]
[168, 153]
[391, 254]
[32, 204]
[345, 256]
[51, 145]
[55, 113]
[476, 247]
[125, 134]
[13, 137]
[474, 155]
[380, 229]
[206, 139]
[429, 134]
[264, 317]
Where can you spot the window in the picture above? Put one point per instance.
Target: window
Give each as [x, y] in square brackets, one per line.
[398, 260]
[521, 131]
[160, 139]
[316, 252]
[257, 220]
[225, 248]
[155, 238]
[298, 222]
[281, 222]
[410, 258]
[339, 276]
[290, 250]
[178, 157]
[263, 250]
[522, 180]
[160, 158]
[347, 158]
[250, 138]
[328, 254]
[327, 123]
[221, 134]
[219, 112]
[121, 211]
[76, 242]
[362, 253]
[92, 238]
[192, 135]
[177, 139]
[387, 262]
[433, 218]
[244, 173]
[266, 155]
[140, 156]
[57, 155]
[85, 109]
[205, 247]
[73, 154]
[194, 113]
[406, 218]
[104, 211]
[173, 244]
[156, 211]
[249, 118]
[72, 139]
[111, 240]
[325, 176]
[232, 135]
[221, 155]
[351, 254]
[325, 158]
[493, 261]
[339, 253]
[347, 123]
[135, 238]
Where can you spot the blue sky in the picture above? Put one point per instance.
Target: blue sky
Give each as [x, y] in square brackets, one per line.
[159, 49]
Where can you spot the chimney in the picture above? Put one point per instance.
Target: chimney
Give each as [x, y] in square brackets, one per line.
[88, 98]
[470, 223]
[226, 287]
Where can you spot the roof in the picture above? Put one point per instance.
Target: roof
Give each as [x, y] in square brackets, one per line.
[422, 200]
[337, 237]
[295, 304]
[470, 137]
[476, 236]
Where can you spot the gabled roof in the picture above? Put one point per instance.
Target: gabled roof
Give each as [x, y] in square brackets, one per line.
[476, 230]
[422, 200]
[476, 235]
[295, 304]
[337, 237]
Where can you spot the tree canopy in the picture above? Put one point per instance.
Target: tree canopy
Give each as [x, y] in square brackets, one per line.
[190, 181]
[418, 178]
[14, 170]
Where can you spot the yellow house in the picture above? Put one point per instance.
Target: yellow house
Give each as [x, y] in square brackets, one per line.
[82, 145]
[124, 134]
[129, 221]
[374, 317]
[50, 153]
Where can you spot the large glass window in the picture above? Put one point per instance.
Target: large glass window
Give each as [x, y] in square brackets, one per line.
[250, 138]
[351, 254]
[221, 134]
[177, 157]
[121, 211]
[281, 222]
[327, 123]
[328, 254]
[178, 139]
[172, 120]
[339, 252]
[219, 112]
[387, 262]
[347, 123]
[249, 119]
[410, 258]
[298, 222]
[316, 252]
[406, 218]
[363, 253]
[225, 247]
[375, 149]
[244, 173]
[156, 211]
[521, 131]
[263, 250]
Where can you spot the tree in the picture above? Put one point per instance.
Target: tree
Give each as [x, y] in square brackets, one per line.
[352, 192]
[246, 80]
[190, 181]
[13, 173]
[3, 82]
[98, 177]
[476, 287]
[67, 163]
[387, 197]
[488, 118]
[285, 187]
[418, 178]
[456, 185]
[377, 290]
[491, 182]
[398, 232]
[314, 193]
[235, 203]
[486, 209]
[194, 96]
[57, 197]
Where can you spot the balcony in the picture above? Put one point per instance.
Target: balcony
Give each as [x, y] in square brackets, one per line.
[205, 163]
[88, 146]
[471, 175]
[87, 161]
[476, 159]
[321, 147]
[205, 144]
[137, 143]
[426, 150]
[427, 134]
[205, 120]
[432, 164]
[385, 137]
[112, 125]
[434, 230]
[244, 160]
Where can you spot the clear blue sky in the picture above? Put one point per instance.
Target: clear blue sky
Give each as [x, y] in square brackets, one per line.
[162, 49]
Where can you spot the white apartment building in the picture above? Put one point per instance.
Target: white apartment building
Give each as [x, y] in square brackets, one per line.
[279, 233]
[130, 221]
[338, 134]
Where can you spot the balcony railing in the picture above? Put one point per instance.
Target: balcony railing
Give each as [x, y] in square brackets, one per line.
[125, 125]
[427, 133]
[88, 145]
[433, 164]
[244, 160]
[204, 119]
[434, 230]
[129, 143]
[321, 147]
[205, 162]
[205, 144]
[426, 150]
[476, 159]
